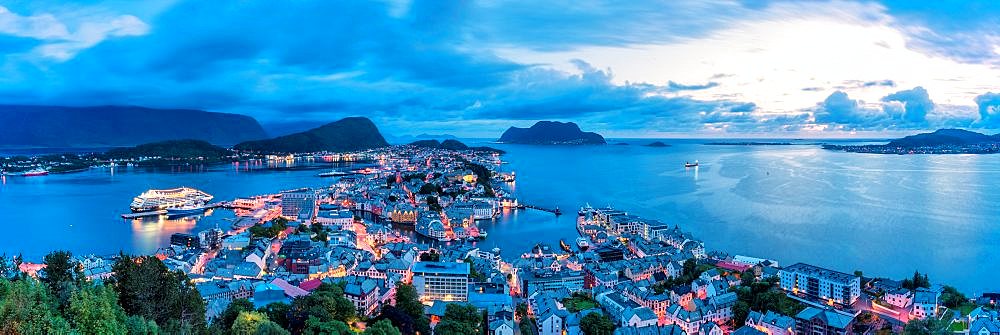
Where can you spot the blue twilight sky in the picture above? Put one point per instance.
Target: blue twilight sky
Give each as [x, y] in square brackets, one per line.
[471, 68]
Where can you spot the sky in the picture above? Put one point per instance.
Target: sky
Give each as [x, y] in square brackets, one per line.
[636, 68]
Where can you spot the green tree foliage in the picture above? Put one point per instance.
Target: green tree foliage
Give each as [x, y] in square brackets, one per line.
[430, 188]
[247, 323]
[95, 310]
[432, 202]
[327, 303]
[137, 325]
[952, 298]
[408, 313]
[596, 324]
[228, 316]
[917, 281]
[928, 326]
[277, 312]
[460, 319]
[147, 288]
[315, 326]
[278, 225]
[62, 275]
[762, 296]
[382, 327]
[27, 308]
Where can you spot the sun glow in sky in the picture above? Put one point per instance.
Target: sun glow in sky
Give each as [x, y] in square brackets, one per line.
[644, 68]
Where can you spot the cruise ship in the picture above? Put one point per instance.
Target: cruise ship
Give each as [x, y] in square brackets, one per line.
[154, 200]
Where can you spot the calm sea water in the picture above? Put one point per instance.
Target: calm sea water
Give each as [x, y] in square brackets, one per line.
[885, 215]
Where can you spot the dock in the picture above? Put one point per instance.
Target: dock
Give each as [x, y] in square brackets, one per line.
[555, 211]
[137, 215]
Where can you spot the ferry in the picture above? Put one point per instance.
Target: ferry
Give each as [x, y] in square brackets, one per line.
[186, 209]
[689, 164]
[35, 172]
[582, 243]
[154, 200]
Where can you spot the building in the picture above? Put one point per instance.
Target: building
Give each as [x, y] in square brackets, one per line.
[441, 281]
[185, 240]
[771, 323]
[824, 285]
[815, 321]
[925, 303]
[211, 239]
[899, 297]
[294, 202]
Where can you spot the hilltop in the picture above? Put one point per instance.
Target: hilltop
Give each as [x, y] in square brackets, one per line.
[550, 132]
[116, 126]
[348, 134]
[451, 145]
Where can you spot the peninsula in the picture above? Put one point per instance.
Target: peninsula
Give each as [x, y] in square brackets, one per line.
[550, 133]
[942, 141]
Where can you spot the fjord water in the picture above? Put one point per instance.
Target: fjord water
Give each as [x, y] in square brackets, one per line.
[886, 215]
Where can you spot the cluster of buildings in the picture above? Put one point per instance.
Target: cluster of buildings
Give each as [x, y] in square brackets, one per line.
[648, 277]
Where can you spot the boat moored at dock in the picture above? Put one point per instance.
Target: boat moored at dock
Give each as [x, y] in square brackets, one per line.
[154, 200]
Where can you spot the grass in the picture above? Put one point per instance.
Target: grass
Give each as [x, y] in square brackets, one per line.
[578, 303]
[957, 326]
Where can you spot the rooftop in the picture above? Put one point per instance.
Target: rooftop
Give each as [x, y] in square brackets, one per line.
[818, 272]
[441, 267]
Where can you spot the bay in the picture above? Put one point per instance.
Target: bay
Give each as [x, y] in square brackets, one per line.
[885, 215]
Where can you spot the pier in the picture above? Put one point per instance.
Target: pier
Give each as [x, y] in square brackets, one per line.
[555, 211]
[137, 215]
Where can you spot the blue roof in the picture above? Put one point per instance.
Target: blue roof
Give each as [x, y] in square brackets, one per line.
[441, 267]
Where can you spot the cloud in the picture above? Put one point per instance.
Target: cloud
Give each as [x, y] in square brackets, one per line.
[674, 86]
[989, 109]
[841, 109]
[915, 103]
[56, 40]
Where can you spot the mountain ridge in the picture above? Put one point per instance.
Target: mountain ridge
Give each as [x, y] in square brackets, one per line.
[550, 133]
[347, 134]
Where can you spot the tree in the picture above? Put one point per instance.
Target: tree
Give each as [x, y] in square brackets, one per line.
[228, 316]
[95, 310]
[917, 281]
[27, 307]
[928, 326]
[277, 312]
[460, 319]
[952, 298]
[246, 323]
[741, 309]
[314, 326]
[382, 327]
[271, 328]
[62, 275]
[408, 301]
[148, 289]
[596, 324]
[137, 325]
[326, 303]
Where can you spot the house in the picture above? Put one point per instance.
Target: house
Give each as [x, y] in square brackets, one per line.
[771, 323]
[815, 321]
[710, 328]
[984, 326]
[747, 330]
[639, 317]
[502, 327]
[899, 297]
[925, 303]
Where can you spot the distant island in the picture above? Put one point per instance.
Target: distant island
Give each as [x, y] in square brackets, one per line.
[118, 126]
[348, 134]
[174, 150]
[451, 144]
[550, 133]
[749, 143]
[621, 143]
[942, 141]
[657, 144]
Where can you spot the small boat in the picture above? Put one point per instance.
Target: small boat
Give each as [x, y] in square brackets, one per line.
[689, 164]
[185, 210]
[582, 243]
[334, 174]
[35, 172]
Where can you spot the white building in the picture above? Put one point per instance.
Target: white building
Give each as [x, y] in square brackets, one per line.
[901, 298]
[441, 281]
[825, 285]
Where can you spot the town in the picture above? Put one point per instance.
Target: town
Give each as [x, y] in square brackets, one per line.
[625, 274]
